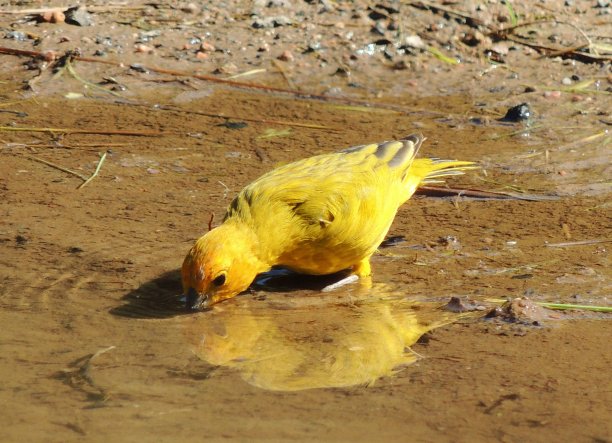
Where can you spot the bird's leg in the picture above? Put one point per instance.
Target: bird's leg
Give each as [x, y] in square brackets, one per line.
[360, 270]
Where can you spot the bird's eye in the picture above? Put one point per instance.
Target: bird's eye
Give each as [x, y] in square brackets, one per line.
[219, 280]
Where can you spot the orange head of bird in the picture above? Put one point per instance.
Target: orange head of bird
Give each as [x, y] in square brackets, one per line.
[219, 266]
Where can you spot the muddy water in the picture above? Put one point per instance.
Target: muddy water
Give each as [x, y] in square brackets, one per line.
[95, 343]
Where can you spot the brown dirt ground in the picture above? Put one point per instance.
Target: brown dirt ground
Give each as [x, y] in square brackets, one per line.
[84, 270]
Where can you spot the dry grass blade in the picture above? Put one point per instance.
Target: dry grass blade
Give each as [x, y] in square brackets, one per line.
[442, 57]
[102, 158]
[72, 72]
[58, 167]
[578, 243]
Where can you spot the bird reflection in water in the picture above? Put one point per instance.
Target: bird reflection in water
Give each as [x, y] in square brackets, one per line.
[292, 341]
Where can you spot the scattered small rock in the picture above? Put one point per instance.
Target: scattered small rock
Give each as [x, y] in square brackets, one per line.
[139, 68]
[378, 28]
[16, 35]
[566, 81]
[234, 125]
[473, 38]
[414, 41]
[207, 47]
[227, 69]
[190, 8]
[21, 240]
[143, 48]
[272, 22]
[286, 56]
[50, 56]
[342, 72]
[79, 16]
[552, 94]
[457, 305]
[523, 310]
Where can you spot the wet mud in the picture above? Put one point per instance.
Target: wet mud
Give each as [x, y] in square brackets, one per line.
[96, 343]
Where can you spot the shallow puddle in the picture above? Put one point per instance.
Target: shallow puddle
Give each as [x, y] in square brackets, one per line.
[303, 341]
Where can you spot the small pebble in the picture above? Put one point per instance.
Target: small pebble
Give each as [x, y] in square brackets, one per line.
[227, 69]
[201, 55]
[53, 17]
[50, 56]
[566, 81]
[286, 56]
[207, 47]
[190, 8]
[552, 94]
[143, 48]
[401, 65]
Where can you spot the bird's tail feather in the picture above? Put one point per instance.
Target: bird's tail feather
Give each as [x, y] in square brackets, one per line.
[434, 169]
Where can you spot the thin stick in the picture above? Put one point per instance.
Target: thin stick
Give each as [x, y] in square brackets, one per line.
[8, 145]
[438, 191]
[86, 131]
[53, 165]
[102, 158]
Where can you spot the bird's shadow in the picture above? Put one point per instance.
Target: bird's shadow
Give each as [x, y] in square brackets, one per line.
[161, 297]
[156, 298]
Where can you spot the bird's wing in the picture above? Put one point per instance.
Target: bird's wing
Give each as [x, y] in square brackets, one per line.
[335, 195]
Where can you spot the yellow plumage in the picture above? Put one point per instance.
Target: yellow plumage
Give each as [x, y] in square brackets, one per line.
[318, 215]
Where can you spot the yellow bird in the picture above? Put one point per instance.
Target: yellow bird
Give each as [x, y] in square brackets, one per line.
[318, 215]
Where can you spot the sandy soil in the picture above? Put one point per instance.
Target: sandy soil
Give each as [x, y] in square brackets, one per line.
[95, 342]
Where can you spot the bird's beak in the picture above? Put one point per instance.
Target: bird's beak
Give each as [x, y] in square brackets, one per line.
[196, 301]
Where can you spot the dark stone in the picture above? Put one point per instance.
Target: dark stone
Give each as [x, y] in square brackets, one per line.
[518, 113]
